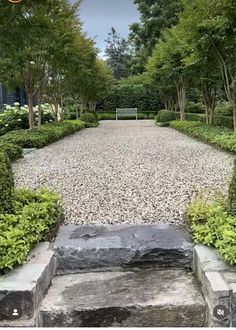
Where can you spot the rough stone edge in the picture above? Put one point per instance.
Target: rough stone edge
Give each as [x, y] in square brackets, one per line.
[41, 254]
[209, 268]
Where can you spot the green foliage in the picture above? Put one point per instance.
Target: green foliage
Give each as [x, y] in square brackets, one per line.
[193, 107]
[13, 151]
[156, 16]
[141, 115]
[145, 98]
[165, 116]
[118, 54]
[35, 214]
[221, 137]
[211, 224]
[88, 117]
[47, 134]
[232, 192]
[224, 109]
[6, 185]
[13, 119]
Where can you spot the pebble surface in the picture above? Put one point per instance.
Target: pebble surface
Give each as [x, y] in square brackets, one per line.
[126, 172]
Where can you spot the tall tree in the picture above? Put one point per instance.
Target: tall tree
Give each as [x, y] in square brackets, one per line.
[156, 17]
[118, 54]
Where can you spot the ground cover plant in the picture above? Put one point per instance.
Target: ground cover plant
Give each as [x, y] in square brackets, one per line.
[213, 222]
[218, 136]
[26, 217]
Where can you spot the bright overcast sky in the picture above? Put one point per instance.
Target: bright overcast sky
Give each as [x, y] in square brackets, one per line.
[100, 15]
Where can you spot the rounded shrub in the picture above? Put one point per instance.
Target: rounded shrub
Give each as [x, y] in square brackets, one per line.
[6, 185]
[165, 116]
[88, 117]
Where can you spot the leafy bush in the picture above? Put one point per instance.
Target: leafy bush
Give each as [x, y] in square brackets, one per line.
[141, 115]
[16, 118]
[47, 134]
[13, 151]
[165, 116]
[193, 107]
[224, 109]
[232, 192]
[35, 214]
[6, 185]
[221, 137]
[88, 117]
[213, 225]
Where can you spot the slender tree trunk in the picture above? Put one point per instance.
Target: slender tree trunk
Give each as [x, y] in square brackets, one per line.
[181, 92]
[62, 116]
[209, 99]
[31, 110]
[39, 110]
[56, 111]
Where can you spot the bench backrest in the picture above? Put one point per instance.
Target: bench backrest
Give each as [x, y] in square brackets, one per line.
[126, 112]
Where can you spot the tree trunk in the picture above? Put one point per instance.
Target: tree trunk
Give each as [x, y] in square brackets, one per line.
[181, 92]
[234, 116]
[39, 112]
[62, 116]
[56, 112]
[31, 110]
[209, 99]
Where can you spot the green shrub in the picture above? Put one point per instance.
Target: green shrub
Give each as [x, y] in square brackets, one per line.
[88, 117]
[193, 107]
[6, 185]
[211, 224]
[47, 134]
[13, 151]
[224, 109]
[232, 192]
[13, 119]
[218, 136]
[95, 115]
[36, 213]
[165, 116]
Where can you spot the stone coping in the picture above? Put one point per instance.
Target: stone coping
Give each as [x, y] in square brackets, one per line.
[218, 282]
[23, 288]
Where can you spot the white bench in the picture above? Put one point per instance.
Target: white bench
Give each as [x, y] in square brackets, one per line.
[126, 112]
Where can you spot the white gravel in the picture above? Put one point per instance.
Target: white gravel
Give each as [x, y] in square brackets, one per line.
[126, 172]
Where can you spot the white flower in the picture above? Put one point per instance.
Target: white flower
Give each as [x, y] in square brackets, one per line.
[6, 125]
[32, 62]
[16, 104]
[22, 108]
[8, 107]
[19, 119]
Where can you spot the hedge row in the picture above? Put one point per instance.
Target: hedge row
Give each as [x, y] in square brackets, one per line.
[112, 115]
[131, 96]
[39, 138]
[36, 213]
[219, 136]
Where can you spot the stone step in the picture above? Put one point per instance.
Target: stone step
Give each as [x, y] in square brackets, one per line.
[148, 297]
[90, 247]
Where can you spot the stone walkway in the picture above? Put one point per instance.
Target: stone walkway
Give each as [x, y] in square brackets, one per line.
[126, 172]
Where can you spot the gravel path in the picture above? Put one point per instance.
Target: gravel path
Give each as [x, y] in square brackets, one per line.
[126, 172]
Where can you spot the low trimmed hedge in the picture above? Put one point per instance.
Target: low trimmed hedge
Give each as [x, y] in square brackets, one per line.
[13, 151]
[47, 134]
[6, 185]
[220, 137]
[89, 117]
[164, 117]
[36, 213]
[112, 115]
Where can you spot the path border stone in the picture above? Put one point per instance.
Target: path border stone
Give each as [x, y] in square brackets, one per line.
[23, 289]
[218, 283]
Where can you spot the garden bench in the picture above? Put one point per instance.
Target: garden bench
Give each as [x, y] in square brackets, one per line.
[126, 112]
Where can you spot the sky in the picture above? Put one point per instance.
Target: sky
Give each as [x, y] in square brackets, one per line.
[100, 15]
